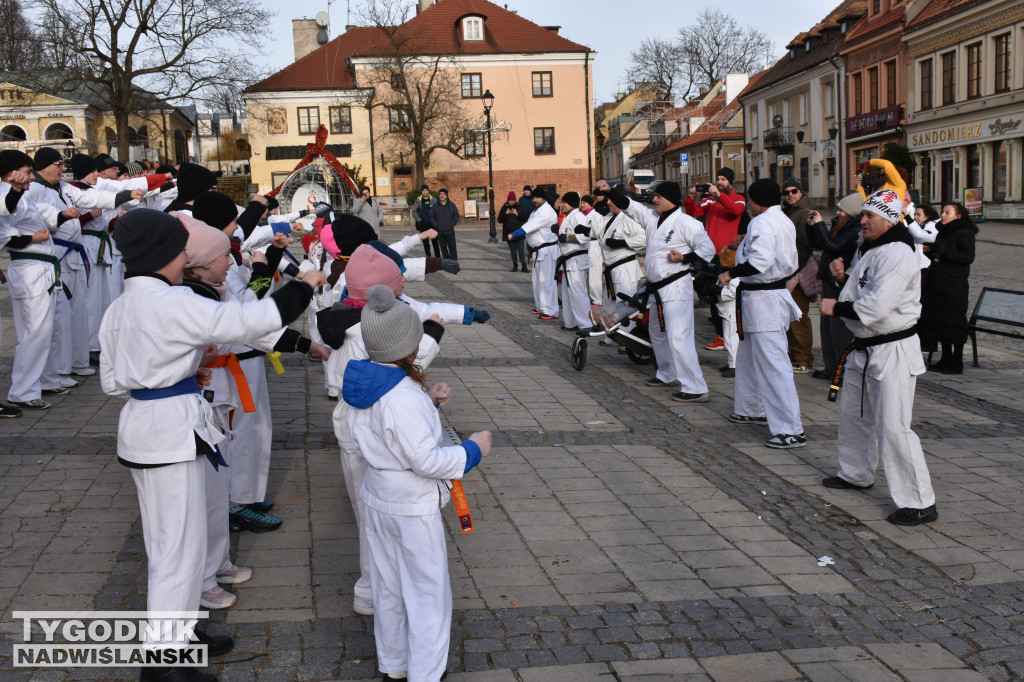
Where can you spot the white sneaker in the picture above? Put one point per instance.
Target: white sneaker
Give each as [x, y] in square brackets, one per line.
[362, 608]
[234, 575]
[83, 372]
[217, 598]
[67, 382]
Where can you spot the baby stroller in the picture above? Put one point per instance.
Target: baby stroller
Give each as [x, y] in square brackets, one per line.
[636, 341]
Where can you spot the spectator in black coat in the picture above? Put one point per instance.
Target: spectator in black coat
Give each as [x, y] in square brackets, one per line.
[836, 241]
[944, 307]
[526, 203]
[510, 219]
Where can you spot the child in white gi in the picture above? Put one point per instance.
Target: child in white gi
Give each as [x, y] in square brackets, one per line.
[153, 340]
[574, 264]
[394, 422]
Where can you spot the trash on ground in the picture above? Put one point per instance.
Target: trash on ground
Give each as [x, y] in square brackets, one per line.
[826, 561]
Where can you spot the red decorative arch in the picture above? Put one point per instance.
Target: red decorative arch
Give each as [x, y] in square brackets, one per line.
[313, 150]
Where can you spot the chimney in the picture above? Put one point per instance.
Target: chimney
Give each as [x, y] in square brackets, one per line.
[304, 35]
[553, 29]
[423, 5]
[734, 84]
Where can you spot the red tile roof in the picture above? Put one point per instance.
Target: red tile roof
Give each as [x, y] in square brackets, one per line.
[892, 19]
[436, 30]
[938, 9]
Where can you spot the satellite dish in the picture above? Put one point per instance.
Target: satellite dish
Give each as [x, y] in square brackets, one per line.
[323, 19]
[777, 120]
[321, 37]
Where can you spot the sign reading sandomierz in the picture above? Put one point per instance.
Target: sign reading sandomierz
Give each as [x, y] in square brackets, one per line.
[967, 132]
[109, 639]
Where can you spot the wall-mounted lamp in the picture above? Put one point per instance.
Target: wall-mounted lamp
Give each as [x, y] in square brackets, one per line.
[749, 146]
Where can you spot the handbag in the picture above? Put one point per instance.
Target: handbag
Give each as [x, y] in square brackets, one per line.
[808, 279]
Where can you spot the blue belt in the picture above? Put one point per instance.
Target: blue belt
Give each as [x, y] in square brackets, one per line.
[75, 246]
[186, 386]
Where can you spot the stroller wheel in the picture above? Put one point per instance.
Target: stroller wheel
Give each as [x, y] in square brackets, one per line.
[638, 358]
[579, 353]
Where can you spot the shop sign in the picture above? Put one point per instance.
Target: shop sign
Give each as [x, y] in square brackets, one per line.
[785, 160]
[968, 133]
[972, 201]
[874, 121]
[829, 151]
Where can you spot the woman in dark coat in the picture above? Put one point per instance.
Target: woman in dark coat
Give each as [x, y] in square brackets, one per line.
[944, 307]
[510, 219]
[836, 241]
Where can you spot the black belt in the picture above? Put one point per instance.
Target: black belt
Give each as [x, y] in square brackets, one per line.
[652, 289]
[249, 355]
[753, 286]
[534, 249]
[864, 344]
[609, 285]
[562, 260]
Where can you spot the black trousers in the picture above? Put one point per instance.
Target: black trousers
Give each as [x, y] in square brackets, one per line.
[446, 240]
[423, 227]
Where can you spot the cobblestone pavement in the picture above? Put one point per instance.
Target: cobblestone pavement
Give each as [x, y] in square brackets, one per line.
[618, 533]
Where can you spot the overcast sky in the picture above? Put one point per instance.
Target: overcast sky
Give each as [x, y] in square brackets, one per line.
[613, 29]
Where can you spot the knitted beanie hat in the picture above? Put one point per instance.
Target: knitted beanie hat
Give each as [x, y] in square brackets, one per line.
[45, 157]
[670, 192]
[82, 165]
[391, 329]
[215, 209]
[765, 192]
[727, 173]
[205, 243]
[851, 203]
[135, 168]
[571, 198]
[885, 203]
[193, 180]
[105, 161]
[368, 267]
[149, 239]
[12, 160]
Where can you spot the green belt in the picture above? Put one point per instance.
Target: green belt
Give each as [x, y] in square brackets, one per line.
[104, 241]
[52, 260]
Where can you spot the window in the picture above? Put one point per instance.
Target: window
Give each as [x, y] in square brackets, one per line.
[873, 88]
[397, 79]
[803, 108]
[999, 185]
[472, 85]
[543, 140]
[926, 84]
[858, 94]
[341, 120]
[876, 7]
[309, 119]
[974, 71]
[948, 78]
[399, 120]
[542, 84]
[472, 28]
[1002, 62]
[829, 101]
[475, 143]
[890, 83]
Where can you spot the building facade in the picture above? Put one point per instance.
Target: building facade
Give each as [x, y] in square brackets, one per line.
[966, 102]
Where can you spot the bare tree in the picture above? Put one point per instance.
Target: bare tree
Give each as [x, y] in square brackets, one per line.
[17, 40]
[142, 51]
[420, 91]
[716, 45]
[659, 61]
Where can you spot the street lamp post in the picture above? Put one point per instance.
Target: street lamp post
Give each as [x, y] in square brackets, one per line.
[488, 100]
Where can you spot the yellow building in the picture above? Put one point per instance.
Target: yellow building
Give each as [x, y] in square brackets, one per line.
[542, 84]
[73, 117]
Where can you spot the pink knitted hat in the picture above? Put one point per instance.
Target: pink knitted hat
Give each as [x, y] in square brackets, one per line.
[205, 243]
[367, 267]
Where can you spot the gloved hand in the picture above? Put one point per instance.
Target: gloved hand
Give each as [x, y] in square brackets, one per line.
[518, 234]
[561, 239]
[554, 228]
[614, 243]
[473, 315]
[449, 265]
[303, 213]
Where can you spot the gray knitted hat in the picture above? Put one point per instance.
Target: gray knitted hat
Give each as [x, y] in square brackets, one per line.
[391, 329]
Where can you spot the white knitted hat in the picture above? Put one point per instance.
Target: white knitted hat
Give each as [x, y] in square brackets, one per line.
[885, 203]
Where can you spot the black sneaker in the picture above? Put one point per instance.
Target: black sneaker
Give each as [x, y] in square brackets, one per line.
[744, 419]
[913, 517]
[691, 397]
[821, 374]
[728, 373]
[34, 404]
[216, 645]
[656, 382]
[261, 507]
[56, 391]
[842, 484]
[257, 522]
[8, 412]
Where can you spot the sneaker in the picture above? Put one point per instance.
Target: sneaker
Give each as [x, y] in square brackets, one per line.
[842, 484]
[908, 516]
[94, 357]
[717, 344]
[257, 522]
[655, 382]
[8, 412]
[595, 305]
[728, 373]
[535, 311]
[744, 419]
[63, 390]
[570, 329]
[785, 441]
[691, 397]
[263, 507]
[362, 608]
[35, 404]
[83, 372]
[821, 374]
[217, 598]
[526, 270]
[234, 575]
[606, 342]
[548, 317]
[800, 369]
[216, 645]
[67, 382]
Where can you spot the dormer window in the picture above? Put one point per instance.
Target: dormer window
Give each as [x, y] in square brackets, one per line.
[472, 28]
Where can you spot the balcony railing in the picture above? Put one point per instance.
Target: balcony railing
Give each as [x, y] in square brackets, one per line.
[779, 138]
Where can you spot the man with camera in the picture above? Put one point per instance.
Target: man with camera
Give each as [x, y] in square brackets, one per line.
[722, 209]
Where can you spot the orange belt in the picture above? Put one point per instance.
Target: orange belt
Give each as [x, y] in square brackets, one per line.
[230, 361]
[462, 507]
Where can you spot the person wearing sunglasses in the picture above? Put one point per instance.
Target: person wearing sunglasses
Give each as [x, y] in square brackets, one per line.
[800, 334]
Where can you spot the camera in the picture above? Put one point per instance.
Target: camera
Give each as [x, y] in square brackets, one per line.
[703, 189]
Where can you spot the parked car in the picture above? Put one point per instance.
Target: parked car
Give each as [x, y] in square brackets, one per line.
[638, 182]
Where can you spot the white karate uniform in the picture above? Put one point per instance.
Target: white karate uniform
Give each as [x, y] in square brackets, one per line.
[115, 273]
[538, 233]
[764, 374]
[674, 347]
[575, 299]
[407, 470]
[595, 277]
[626, 277]
[923, 234]
[727, 311]
[884, 285]
[153, 336]
[353, 465]
[34, 289]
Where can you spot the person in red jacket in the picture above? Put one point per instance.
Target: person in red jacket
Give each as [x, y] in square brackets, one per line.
[722, 209]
